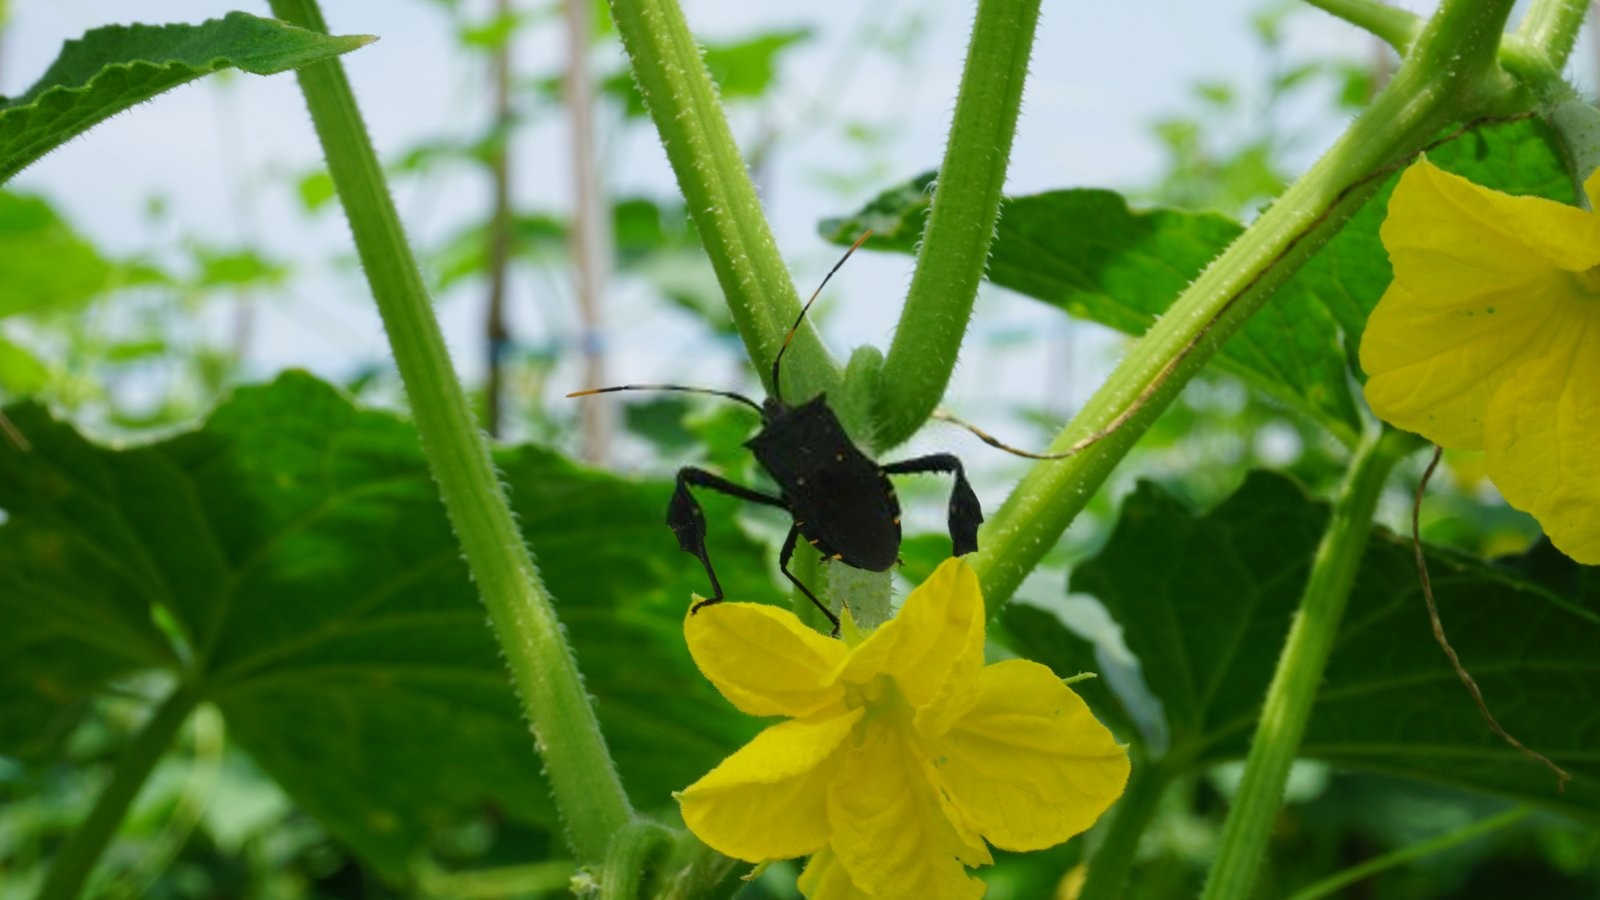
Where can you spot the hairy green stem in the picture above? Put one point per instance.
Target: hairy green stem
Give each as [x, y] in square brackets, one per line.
[1448, 76]
[722, 200]
[961, 220]
[1395, 27]
[588, 792]
[1339, 880]
[1112, 860]
[1293, 690]
[76, 859]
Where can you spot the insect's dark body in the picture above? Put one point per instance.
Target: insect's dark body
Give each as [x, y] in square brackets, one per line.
[841, 500]
[842, 503]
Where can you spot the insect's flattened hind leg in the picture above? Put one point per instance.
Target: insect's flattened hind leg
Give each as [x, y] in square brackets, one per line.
[786, 554]
[688, 521]
[965, 512]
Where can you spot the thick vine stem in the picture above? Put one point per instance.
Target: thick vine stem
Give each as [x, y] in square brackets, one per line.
[722, 200]
[588, 792]
[961, 220]
[1449, 75]
[1293, 690]
[77, 857]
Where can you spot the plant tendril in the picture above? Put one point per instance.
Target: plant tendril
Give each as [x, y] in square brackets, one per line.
[1562, 775]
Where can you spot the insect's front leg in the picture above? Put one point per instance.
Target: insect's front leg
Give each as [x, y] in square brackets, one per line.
[786, 554]
[688, 521]
[965, 513]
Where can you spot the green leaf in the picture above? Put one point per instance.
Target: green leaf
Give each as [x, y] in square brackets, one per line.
[236, 268]
[113, 68]
[1087, 253]
[1205, 601]
[298, 552]
[44, 263]
[20, 371]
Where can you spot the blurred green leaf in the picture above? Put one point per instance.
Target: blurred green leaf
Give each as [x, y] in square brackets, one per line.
[1205, 601]
[44, 263]
[113, 68]
[297, 547]
[465, 254]
[236, 268]
[21, 372]
[1086, 252]
[315, 189]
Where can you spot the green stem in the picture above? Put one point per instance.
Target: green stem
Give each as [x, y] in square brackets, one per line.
[1332, 884]
[966, 204]
[587, 791]
[1293, 690]
[1551, 26]
[1109, 866]
[682, 100]
[1395, 27]
[76, 860]
[1445, 78]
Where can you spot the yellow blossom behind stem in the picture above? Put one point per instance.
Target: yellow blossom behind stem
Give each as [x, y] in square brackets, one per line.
[1489, 338]
[901, 755]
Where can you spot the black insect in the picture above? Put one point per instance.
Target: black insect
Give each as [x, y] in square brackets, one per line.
[842, 501]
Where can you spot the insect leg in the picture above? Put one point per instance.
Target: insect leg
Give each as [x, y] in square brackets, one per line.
[965, 513]
[784, 556]
[688, 521]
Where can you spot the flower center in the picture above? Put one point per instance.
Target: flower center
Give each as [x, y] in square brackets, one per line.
[882, 699]
[1589, 282]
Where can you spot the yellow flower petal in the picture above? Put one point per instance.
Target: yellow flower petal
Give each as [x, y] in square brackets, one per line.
[1433, 364]
[1591, 189]
[1543, 435]
[888, 829]
[769, 799]
[933, 648]
[1029, 765]
[1462, 238]
[824, 879]
[764, 660]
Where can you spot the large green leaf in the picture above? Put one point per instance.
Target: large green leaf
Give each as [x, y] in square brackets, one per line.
[1205, 602]
[113, 68]
[296, 550]
[1086, 252]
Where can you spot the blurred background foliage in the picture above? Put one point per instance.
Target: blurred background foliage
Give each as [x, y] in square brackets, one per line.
[138, 346]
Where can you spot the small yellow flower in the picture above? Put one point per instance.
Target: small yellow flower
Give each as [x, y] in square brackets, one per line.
[900, 755]
[1489, 338]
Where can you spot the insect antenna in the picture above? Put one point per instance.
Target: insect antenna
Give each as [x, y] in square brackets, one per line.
[777, 392]
[991, 440]
[669, 387]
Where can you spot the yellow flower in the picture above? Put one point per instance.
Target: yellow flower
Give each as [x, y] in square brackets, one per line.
[1489, 338]
[901, 754]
